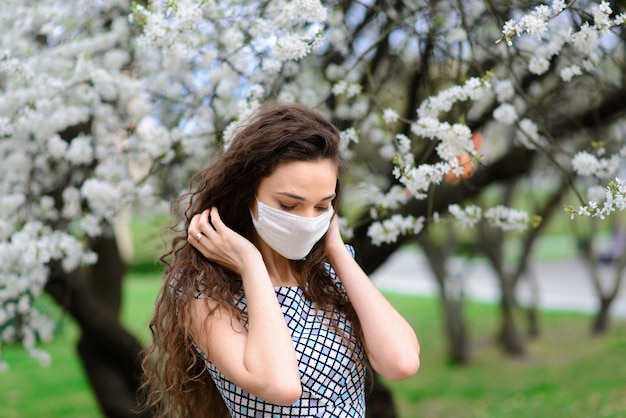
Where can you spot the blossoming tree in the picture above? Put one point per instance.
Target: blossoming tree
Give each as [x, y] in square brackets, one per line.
[104, 106]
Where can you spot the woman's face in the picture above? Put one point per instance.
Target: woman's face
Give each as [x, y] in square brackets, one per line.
[303, 188]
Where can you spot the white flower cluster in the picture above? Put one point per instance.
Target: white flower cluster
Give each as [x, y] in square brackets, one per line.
[473, 89]
[454, 139]
[282, 31]
[390, 116]
[507, 219]
[505, 114]
[528, 134]
[219, 60]
[393, 199]
[468, 216]
[349, 89]
[390, 229]
[24, 258]
[66, 151]
[585, 40]
[614, 199]
[586, 164]
[499, 216]
[416, 179]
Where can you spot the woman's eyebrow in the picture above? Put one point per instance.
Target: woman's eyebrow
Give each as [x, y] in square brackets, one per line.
[298, 197]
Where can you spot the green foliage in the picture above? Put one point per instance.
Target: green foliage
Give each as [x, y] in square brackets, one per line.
[148, 241]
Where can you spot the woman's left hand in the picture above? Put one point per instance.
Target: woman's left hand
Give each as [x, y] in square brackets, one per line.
[217, 242]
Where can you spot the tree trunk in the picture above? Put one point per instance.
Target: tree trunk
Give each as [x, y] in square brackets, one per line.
[510, 336]
[110, 354]
[532, 316]
[601, 319]
[532, 312]
[456, 331]
[606, 290]
[452, 296]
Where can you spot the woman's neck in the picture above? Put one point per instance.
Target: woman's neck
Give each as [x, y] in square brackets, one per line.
[278, 267]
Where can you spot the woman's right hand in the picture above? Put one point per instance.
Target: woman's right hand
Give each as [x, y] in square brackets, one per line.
[217, 242]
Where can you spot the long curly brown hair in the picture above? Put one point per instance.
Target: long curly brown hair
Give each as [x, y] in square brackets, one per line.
[176, 382]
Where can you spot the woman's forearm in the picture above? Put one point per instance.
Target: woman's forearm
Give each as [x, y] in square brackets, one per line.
[269, 353]
[390, 341]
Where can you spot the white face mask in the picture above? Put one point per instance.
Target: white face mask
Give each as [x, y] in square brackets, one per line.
[290, 235]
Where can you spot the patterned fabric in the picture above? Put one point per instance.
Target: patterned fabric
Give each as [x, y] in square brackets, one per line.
[333, 385]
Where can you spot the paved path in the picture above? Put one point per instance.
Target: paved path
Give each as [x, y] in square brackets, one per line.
[562, 284]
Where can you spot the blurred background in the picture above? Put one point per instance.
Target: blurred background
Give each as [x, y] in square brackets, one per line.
[485, 142]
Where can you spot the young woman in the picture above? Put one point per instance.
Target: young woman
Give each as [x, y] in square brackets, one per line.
[264, 311]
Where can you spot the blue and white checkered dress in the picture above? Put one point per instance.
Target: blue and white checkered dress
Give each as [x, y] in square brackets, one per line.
[333, 384]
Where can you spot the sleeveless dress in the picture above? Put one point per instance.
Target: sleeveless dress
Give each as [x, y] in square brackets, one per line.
[333, 384]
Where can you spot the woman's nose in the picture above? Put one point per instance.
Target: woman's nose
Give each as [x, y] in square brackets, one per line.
[309, 213]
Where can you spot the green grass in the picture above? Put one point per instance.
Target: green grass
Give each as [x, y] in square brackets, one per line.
[567, 372]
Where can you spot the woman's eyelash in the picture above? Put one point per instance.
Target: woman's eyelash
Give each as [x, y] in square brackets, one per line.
[292, 207]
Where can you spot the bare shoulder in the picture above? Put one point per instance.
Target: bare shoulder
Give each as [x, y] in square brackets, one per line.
[213, 326]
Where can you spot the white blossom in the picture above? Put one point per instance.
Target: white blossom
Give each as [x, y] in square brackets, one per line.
[528, 134]
[505, 114]
[102, 197]
[390, 116]
[80, 151]
[388, 230]
[507, 218]
[455, 140]
[558, 6]
[394, 198]
[602, 16]
[350, 135]
[585, 164]
[307, 11]
[468, 216]
[504, 90]
[570, 72]
[340, 87]
[538, 65]
[57, 147]
[353, 89]
[586, 40]
[292, 47]
[614, 200]
[533, 24]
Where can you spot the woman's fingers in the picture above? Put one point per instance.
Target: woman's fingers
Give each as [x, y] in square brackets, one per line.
[194, 234]
[208, 234]
[206, 221]
[214, 218]
[202, 232]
